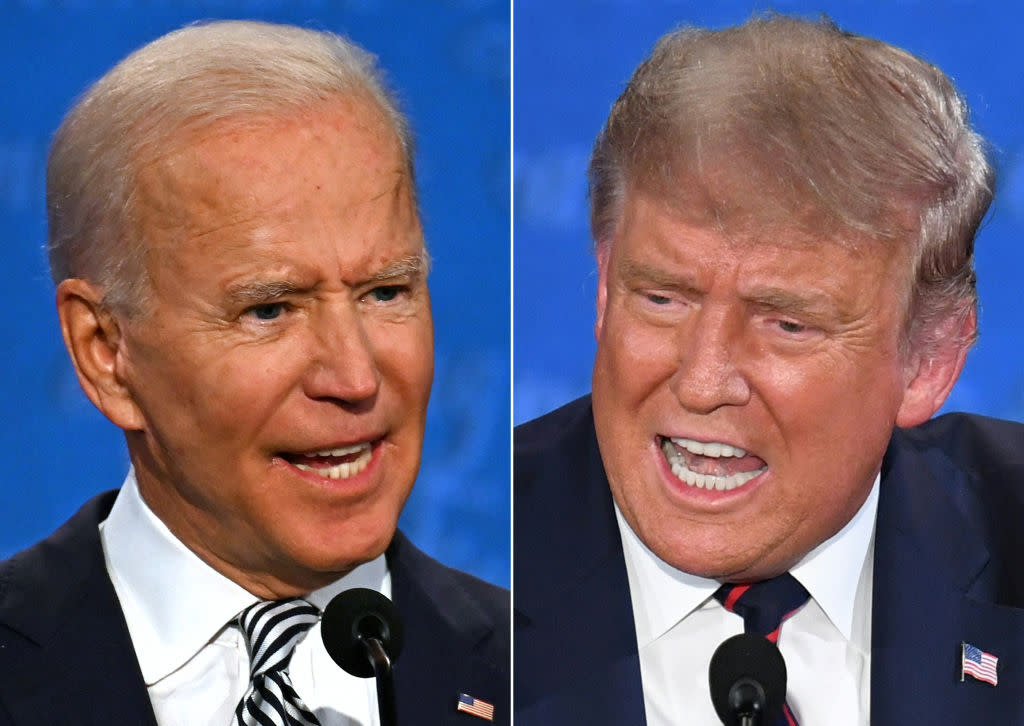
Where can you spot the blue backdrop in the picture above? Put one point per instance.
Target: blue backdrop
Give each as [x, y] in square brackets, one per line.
[573, 58]
[449, 62]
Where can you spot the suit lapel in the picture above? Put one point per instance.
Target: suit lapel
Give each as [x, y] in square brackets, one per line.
[932, 581]
[593, 672]
[61, 623]
[573, 617]
[450, 644]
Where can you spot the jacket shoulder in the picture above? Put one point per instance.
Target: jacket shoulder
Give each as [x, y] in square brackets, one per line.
[62, 631]
[975, 463]
[980, 460]
[457, 635]
[425, 581]
[986, 445]
[32, 581]
[551, 456]
[553, 431]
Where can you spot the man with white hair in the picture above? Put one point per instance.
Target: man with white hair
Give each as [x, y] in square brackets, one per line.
[242, 287]
[784, 218]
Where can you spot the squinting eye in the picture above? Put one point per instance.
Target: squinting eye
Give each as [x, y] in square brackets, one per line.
[789, 326]
[267, 311]
[658, 299]
[386, 293]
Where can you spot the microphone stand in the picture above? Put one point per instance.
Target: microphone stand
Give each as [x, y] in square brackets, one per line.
[385, 680]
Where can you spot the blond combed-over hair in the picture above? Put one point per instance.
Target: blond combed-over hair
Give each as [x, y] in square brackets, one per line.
[785, 123]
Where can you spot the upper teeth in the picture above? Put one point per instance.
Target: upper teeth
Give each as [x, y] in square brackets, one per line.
[346, 468]
[713, 449]
[724, 482]
[341, 450]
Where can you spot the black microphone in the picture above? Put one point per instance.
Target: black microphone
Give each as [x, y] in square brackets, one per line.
[362, 632]
[748, 681]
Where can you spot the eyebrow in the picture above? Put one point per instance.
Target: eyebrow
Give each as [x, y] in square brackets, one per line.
[635, 270]
[778, 299]
[253, 292]
[767, 298]
[257, 291]
[412, 266]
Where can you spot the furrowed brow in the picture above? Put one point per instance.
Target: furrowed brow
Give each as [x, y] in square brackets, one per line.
[253, 292]
[257, 291]
[635, 271]
[411, 266]
[785, 301]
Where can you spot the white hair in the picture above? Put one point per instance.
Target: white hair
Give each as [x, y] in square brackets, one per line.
[184, 81]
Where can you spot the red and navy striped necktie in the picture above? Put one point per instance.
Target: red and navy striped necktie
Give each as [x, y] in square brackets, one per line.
[764, 606]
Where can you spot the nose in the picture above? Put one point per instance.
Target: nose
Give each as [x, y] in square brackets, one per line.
[343, 363]
[709, 372]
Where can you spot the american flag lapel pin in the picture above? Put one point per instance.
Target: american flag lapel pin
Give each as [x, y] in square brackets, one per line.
[978, 664]
[475, 707]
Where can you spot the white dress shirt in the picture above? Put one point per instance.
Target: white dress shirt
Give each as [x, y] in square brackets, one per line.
[179, 611]
[827, 644]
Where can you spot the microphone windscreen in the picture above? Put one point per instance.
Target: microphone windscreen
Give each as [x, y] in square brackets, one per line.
[356, 614]
[747, 657]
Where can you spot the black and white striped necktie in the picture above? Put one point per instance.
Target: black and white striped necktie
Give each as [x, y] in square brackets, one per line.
[271, 631]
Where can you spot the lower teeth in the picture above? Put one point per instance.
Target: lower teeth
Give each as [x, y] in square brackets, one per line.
[706, 481]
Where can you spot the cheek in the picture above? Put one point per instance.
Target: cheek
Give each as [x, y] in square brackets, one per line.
[405, 356]
[834, 421]
[634, 356]
[253, 378]
[835, 380]
[632, 372]
[232, 396]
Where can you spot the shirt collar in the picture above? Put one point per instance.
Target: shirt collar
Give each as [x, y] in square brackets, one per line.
[173, 602]
[828, 570]
[663, 595]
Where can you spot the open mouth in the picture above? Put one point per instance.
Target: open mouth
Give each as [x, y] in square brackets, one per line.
[338, 463]
[710, 465]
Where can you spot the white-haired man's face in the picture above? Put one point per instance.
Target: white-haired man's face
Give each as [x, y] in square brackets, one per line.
[745, 390]
[277, 384]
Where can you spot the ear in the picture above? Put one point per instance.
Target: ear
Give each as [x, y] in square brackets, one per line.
[932, 374]
[602, 252]
[92, 335]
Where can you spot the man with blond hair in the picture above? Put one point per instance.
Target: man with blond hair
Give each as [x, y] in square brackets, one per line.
[242, 287]
[784, 218]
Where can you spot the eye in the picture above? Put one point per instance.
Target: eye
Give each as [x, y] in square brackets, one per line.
[267, 311]
[386, 293]
[657, 299]
[788, 326]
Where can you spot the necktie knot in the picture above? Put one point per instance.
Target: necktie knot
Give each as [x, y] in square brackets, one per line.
[272, 628]
[765, 605]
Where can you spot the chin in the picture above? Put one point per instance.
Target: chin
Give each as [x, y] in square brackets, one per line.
[716, 560]
[737, 569]
[347, 552]
[711, 568]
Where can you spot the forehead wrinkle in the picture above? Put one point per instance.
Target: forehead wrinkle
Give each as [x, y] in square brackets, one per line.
[393, 189]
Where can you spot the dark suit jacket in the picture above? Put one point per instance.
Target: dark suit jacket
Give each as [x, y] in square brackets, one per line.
[66, 658]
[949, 568]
